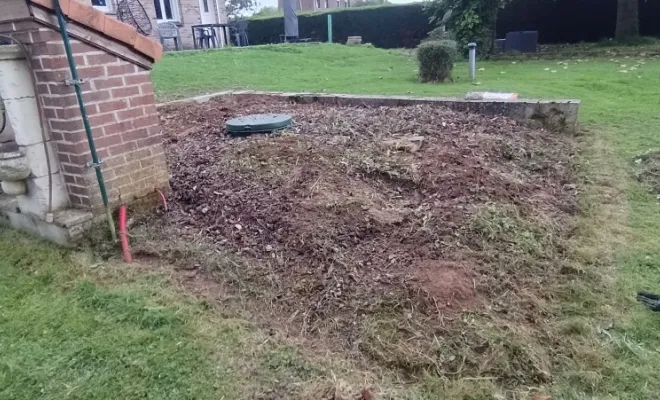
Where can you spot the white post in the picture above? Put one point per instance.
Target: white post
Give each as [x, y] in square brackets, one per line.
[473, 60]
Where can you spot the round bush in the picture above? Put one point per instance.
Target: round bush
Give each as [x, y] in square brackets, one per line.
[436, 60]
[451, 44]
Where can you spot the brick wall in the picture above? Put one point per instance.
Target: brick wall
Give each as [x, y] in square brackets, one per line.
[190, 16]
[121, 107]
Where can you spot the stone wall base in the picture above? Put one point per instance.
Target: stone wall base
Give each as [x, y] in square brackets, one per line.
[68, 225]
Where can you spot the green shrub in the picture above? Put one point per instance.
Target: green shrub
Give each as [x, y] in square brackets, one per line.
[436, 60]
[449, 43]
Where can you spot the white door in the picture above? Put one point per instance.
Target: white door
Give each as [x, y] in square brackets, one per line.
[206, 11]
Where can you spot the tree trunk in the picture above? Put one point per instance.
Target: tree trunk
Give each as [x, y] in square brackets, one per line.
[627, 19]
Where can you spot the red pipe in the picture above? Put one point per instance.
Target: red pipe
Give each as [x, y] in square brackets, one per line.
[123, 234]
[162, 199]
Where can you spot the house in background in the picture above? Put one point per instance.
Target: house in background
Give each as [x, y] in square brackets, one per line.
[315, 5]
[184, 13]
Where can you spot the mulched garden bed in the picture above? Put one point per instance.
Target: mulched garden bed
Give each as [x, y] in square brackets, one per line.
[357, 214]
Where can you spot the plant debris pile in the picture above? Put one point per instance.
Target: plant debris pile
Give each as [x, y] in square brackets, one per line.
[382, 225]
[647, 170]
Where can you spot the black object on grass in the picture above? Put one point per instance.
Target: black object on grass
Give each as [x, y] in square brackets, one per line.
[650, 300]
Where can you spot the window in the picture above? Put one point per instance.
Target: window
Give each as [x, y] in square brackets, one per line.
[326, 4]
[103, 5]
[206, 5]
[166, 10]
[318, 4]
[338, 3]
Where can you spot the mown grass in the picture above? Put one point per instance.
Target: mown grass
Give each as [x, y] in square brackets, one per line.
[75, 328]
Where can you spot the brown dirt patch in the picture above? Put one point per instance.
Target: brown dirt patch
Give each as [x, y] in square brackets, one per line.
[448, 284]
[357, 212]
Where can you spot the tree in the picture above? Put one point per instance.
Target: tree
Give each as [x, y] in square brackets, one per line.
[627, 19]
[236, 8]
[268, 12]
[468, 20]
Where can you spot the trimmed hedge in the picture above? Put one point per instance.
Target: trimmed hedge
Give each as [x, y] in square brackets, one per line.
[570, 21]
[387, 27]
[436, 60]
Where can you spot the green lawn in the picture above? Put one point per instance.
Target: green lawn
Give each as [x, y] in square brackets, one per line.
[72, 327]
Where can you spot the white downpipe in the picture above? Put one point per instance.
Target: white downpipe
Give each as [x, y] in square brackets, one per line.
[218, 15]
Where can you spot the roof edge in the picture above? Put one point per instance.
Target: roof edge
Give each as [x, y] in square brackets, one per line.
[96, 20]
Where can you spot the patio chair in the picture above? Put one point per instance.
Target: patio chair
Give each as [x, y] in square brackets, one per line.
[207, 38]
[169, 30]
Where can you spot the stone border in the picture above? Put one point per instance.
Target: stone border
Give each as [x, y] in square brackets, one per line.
[557, 115]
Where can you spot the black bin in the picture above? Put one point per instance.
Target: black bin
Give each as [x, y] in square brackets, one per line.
[522, 41]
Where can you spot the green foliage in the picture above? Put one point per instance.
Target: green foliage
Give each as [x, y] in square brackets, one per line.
[470, 20]
[449, 43]
[389, 26]
[436, 61]
[236, 8]
[268, 12]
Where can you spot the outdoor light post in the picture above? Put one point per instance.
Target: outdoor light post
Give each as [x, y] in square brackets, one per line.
[472, 47]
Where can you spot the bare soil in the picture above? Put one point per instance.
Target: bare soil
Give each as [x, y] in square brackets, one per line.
[384, 229]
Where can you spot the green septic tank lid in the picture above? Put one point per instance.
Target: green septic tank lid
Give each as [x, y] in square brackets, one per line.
[257, 123]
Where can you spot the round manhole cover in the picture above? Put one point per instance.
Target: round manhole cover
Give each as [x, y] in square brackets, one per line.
[257, 123]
